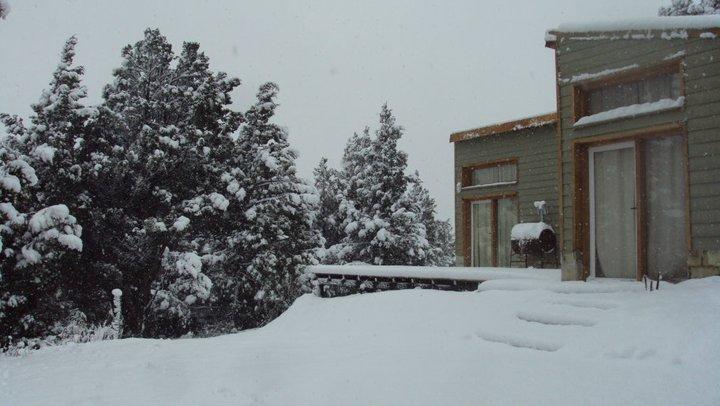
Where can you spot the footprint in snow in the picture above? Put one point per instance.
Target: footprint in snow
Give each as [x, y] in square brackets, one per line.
[555, 319]
[587, 304]
[520, 342]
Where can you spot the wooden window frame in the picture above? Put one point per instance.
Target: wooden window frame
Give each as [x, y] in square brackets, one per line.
[467, 170]
[581, 89]
[581, 190]
[467, 223]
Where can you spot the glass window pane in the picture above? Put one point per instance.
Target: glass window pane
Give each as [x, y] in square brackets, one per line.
[630, 94]
[614, 97]
[507, 218]
[595, 101]
[666, 207]
[483, 176]
[656, 88]
[481, 224]
[674, 86]
[666, 86]
[494, 174]
[508, 173]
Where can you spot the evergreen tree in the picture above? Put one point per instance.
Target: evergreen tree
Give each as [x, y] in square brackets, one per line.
[439, 233]
[690, 7]
[35, 243]
[174, 131]
[57, 143]
[444, 240]
[275, 236]
[381, 224]
[4, 9]
[329, 184]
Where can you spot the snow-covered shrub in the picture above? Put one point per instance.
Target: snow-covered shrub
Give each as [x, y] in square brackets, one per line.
[690, 7]
[75, 329]
[181, 285]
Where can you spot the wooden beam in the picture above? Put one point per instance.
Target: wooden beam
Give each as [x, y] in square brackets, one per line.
[558, 133]
[641, 209]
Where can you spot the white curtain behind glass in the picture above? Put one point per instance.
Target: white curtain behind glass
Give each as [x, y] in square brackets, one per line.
[482, 233]
[615, 236]
[666, 207]
[507, 218]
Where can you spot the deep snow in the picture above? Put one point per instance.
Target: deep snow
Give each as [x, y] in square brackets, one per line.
[515, 342]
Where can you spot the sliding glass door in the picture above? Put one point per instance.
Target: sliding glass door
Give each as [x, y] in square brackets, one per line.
[638, 208]
[482, 233]
[491, 222]
[613, 234]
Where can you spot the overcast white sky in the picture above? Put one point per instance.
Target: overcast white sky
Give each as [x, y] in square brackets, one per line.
[441, 65]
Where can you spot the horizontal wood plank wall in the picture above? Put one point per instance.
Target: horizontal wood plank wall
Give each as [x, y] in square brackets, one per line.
[701, 115]
[536, 152]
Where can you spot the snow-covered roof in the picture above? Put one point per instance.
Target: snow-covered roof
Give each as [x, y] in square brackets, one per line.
[505, 127]
[705, 26]
[643, 24]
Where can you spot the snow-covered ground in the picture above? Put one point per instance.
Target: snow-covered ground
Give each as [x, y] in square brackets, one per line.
[515, 342]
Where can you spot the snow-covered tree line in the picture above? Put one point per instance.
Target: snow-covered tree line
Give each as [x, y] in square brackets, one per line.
[690, 7]
[372, 211]
[164, 208]
[162, 191]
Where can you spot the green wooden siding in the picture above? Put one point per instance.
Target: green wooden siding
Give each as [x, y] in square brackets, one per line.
[701, 115]
[536, 152]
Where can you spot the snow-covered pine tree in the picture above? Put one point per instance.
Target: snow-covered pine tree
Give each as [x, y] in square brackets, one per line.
[200, 225]
[357, 153]
[381, 224]
[441, 250]
[174, 135]
[4, 9]
[139, 111]
[63, 159]
[276, 237]
[34, 242]
[57, 134]
[690, 7]
[443, 239]
[329, 185]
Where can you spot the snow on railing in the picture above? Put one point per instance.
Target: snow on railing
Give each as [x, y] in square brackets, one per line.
[476, 274]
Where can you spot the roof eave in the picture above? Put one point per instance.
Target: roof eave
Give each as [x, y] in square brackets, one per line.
[505, 127]
[628, 34]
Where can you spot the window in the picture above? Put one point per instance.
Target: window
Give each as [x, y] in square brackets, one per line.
[635, 88]
[494, 174]
[666, 86]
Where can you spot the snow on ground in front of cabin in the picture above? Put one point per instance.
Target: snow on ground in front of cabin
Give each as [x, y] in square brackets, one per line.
[514, 342]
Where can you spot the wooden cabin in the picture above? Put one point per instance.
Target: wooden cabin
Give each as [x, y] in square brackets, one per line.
[629, 164]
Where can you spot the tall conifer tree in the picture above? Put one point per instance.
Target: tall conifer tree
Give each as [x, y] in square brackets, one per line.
[276, 236]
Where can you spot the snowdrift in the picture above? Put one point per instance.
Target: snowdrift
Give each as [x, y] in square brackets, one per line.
[515, 342]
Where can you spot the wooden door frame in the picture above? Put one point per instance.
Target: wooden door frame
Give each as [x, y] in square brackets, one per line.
[580, 196]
